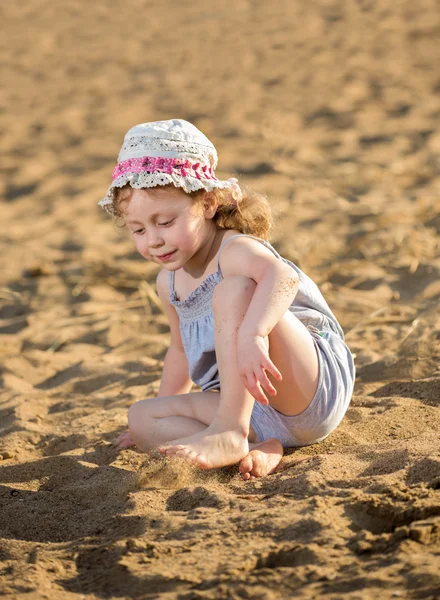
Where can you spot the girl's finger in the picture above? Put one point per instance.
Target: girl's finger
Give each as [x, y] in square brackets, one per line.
[255, 391]
[269, 366]
[249, 384]
[252, 384]
[258, 393]
[266, 383]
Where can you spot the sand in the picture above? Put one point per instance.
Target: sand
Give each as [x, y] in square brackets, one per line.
[331, 108]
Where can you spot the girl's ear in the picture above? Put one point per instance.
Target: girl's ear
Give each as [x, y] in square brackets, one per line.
[210, 205]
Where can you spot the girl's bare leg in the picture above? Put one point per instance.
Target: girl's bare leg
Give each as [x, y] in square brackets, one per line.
[152, 421]
[150, 426]
[225, 441]
[157, 420]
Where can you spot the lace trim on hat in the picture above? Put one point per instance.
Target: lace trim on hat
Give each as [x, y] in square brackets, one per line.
[150, 180]
[150, 164]
[146, 143]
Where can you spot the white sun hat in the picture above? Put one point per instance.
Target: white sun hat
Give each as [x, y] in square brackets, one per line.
[164, 152]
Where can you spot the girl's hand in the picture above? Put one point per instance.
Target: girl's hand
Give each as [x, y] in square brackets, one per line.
[124, 441]
[253, 362]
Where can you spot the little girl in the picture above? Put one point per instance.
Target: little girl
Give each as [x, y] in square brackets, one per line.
[247, 326]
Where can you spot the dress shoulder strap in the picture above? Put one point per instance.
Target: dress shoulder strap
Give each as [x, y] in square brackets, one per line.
[268, 246]
[171, 282]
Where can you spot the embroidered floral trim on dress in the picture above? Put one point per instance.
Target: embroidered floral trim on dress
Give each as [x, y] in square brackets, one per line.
[199, 303]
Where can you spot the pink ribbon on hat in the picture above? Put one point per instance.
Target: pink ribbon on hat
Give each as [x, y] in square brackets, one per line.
[153, 164]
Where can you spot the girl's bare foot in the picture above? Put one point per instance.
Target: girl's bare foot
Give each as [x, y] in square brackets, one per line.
[262, 460]
[124, 441]
[212, 448]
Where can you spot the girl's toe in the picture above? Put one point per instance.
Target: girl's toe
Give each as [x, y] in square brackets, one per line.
[246, 465]
[171, 449]
[181, 451]
[258, 467]
[202, 462]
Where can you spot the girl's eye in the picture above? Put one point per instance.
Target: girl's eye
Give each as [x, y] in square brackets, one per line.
[138, 231]
[165, 223]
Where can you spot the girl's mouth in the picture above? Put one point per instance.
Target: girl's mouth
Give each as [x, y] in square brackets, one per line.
[166, 257]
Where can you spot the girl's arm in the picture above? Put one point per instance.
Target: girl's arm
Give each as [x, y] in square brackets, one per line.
[175, 375]
[277, 285]
[175, 379]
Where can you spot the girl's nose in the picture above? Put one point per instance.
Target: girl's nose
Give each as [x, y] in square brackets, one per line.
[155, 239]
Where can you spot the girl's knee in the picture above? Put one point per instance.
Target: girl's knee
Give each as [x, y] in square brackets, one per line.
[232, 289]
[137, 416]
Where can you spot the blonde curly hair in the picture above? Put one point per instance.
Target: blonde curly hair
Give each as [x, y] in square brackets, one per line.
[251, 214]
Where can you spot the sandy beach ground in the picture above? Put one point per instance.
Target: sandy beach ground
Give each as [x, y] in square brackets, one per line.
[333, 109]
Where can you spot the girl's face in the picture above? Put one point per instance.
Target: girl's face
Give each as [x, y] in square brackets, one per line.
[168, 226]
